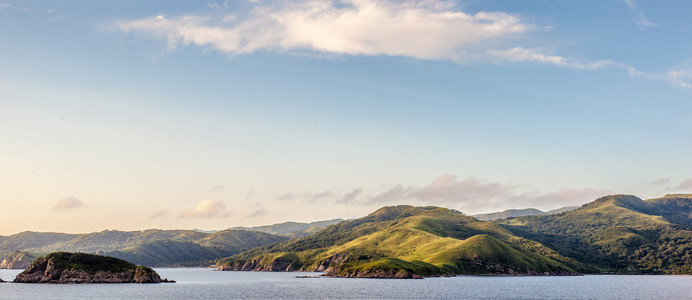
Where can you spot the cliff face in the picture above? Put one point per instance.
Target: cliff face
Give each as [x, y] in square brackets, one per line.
[17, 260]
[52, 270]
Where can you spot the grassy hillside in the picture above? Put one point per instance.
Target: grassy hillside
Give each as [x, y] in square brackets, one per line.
[109, 240]
[403, 241]
[168, 253]
[619, 233]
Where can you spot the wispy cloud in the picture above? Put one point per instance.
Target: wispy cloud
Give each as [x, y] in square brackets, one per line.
[207, 209]
[681, 77]
[660, 181]
[350, 197]
[258, 213]
[68, 203]
[641, 19]
[159, 213]
[684, 186]
[58, 18]
[5, 5]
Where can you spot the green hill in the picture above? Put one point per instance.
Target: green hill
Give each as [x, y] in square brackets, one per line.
[619, 233]
[168, 253]
[406, 242]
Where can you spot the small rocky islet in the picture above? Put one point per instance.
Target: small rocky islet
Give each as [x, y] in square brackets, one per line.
[67, 267]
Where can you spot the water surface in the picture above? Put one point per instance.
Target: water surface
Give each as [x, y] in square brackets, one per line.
[199, 283]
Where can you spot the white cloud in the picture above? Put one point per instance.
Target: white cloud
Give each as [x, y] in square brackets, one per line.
[207, 209]
[430, 29]
[68, 203]
[420, 29]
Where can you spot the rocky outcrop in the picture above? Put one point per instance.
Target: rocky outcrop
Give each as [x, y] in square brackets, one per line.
[377, 273]
[65, 267]
[277, 264]
[17, 260]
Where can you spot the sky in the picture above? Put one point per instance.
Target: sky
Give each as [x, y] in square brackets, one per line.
[131, 115]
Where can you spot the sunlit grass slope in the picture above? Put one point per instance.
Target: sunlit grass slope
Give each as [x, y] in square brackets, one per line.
[407, 240]
[619, 233]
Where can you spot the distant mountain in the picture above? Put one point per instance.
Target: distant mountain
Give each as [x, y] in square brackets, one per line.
[407, 242]
[511, 213]
[155, 247]
[292, 229]
[30, 239]
[152, 247]
[619, 233]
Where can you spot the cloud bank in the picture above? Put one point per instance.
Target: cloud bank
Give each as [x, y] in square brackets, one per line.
[473, 194]
[207, 209]
[469, 195]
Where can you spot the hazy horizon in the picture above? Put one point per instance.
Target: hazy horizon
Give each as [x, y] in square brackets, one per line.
[135, 115]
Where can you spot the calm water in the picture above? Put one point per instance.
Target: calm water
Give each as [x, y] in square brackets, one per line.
[208, 284]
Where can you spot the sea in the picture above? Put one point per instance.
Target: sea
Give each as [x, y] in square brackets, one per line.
[202, 283]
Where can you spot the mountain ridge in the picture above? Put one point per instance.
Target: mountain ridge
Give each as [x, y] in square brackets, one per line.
[618, 234]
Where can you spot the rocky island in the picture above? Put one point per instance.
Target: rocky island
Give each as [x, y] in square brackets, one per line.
[66, 267]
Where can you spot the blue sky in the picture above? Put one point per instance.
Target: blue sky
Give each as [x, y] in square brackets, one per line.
[211, 114]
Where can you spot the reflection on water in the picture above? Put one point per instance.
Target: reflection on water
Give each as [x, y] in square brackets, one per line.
[199, 283]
